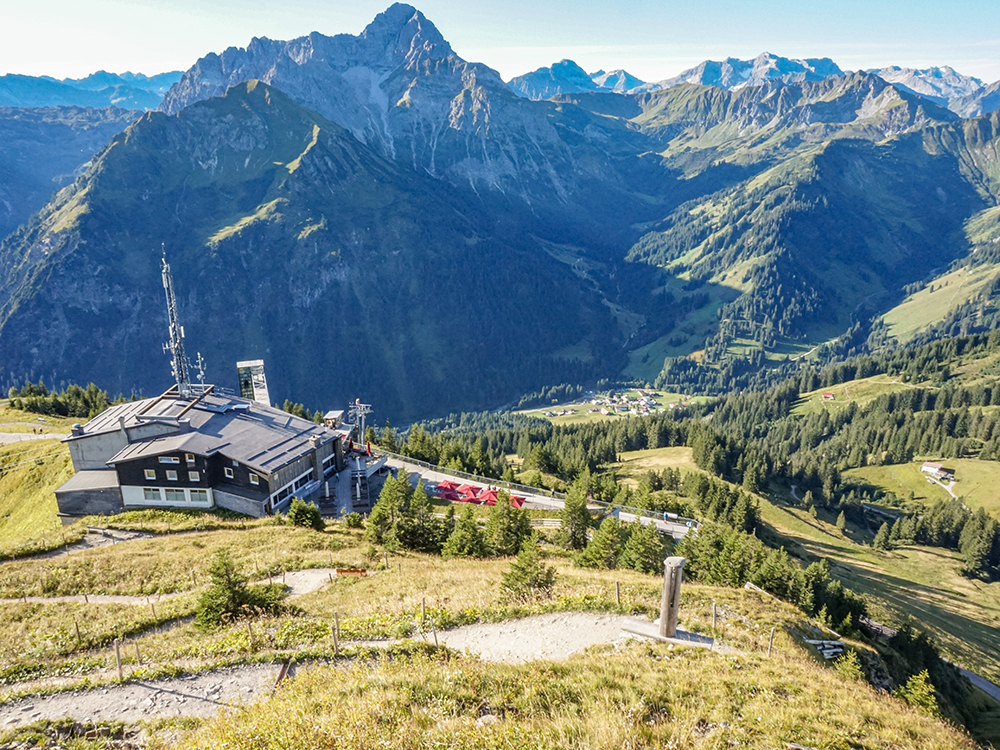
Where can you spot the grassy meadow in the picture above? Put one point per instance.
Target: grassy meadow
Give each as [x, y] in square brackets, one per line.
[977, 483]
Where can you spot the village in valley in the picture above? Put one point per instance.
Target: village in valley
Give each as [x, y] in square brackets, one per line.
[597, 405]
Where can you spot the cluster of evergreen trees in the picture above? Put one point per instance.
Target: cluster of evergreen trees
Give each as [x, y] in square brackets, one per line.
[403, 517]
[723, 556]
[950, 524]
[73, 401]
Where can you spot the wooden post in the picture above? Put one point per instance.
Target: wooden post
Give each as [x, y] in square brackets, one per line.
[250, 635]
[138, 658]
[282, 577]
[385, 557]
[76, 626]
[423, 612]
[400, 567]
[86, 599]
[671, 601]
[434, 630]
[153, 607]
[713, 615]
[770, 642]
[336, 621]
[618, 594]
[118, 658]
[336, 640]
[331, 558]
[330, 576]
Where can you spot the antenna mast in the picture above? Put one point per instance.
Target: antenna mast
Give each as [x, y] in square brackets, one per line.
[175, 346]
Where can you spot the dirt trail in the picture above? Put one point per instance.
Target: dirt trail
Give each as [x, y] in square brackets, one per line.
[552, 636]
[299, 582]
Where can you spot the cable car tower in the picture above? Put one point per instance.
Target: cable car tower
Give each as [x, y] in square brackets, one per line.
[358, 411]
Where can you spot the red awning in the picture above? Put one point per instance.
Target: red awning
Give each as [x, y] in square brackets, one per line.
[469, 490]
[445, 484]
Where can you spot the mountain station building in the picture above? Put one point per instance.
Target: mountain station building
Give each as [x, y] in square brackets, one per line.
[203, 450]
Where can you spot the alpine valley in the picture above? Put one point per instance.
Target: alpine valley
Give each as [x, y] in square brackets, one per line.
[374, 215]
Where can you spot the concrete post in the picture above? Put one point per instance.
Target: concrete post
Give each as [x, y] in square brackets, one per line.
[671, 602]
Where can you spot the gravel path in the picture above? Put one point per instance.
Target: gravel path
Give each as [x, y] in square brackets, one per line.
[299, 582]
[551, 636]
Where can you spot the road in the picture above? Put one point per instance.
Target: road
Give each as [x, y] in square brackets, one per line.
[540, 501]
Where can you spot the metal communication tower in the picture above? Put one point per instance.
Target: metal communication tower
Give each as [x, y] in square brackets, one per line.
[175, 346]
[358, 411]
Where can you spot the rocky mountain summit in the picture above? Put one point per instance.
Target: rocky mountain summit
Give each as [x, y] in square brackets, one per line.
[566, 77]
[100, 89]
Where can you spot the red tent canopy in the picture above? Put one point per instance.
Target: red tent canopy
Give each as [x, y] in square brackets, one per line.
[469, 490]
[489, 497]
[449, 495]
[445, 484]
[517, 501]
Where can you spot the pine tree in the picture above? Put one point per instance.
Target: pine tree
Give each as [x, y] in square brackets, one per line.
[507, 527]
[466, 540]
[388, 438]
[842, 521]
[606, 546]
[528, 576]
[919, 693]
[644, 550]
[419, 529]
[575, 517]
[881, 540]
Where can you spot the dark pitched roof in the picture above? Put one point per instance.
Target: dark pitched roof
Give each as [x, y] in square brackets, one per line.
[254, 434]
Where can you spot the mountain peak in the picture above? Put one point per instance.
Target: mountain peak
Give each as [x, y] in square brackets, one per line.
[403, 31]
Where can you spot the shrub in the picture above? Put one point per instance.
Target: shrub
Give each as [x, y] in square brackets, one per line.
[301, 513]
[353, 521]
[606, 546]
[528, 577]
[228, 597]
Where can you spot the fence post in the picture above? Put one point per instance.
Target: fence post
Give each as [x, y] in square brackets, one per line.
[423, 612]
[713, 615]
[336, 640]
[770, 642]
[118, 658]
[618, 594]
[671, 601]
[76, 626]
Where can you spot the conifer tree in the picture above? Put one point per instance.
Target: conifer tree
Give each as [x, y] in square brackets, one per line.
[507, 527]
[529, 577]
[842, 521]
[575, 517]
[466, 540]
[606, 546]
[644, 550]
[881, 540]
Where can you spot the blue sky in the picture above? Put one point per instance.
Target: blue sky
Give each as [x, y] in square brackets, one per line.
[653, 40]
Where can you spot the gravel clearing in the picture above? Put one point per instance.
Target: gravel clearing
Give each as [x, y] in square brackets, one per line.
[551, 637]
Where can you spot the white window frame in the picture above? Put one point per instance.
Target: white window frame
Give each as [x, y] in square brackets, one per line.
[169, 460]
[194, 476]
[228, 472]
[171, 478]
[254, 479]
[189, 458]
[149, 473]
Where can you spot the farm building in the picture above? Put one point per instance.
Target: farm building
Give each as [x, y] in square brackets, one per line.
[201, 450]
[937, 470]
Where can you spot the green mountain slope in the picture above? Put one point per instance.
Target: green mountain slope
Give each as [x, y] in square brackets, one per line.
[291, 241]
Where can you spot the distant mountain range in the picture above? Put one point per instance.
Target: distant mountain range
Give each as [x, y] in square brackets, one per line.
[101, 89]
[964, 95]
[377, 217]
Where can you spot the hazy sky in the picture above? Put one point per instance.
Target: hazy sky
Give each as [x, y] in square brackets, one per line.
[653, 40]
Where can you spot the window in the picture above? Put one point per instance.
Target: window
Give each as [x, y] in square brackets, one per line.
[149, 473]
[151, 493]
[199, 496]
[175, 496]
[189, 457]
[171, 475]
[194, 476]
[169, 460]
[254, 479]
[229, 472]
